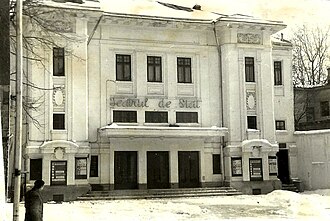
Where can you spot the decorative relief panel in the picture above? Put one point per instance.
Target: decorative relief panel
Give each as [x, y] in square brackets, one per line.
[59, 98]
[59, 153]
[251, 101]
[185, 90]
[248, 38]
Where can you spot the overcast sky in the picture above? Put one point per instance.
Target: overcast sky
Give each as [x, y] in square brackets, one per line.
[291, 12]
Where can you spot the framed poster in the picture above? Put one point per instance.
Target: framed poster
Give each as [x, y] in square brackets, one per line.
[81, 168]
[58, 173]
[255, 166]
[272, 161]
[236, 166]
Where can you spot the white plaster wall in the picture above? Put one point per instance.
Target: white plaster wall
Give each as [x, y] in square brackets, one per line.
[314, 158]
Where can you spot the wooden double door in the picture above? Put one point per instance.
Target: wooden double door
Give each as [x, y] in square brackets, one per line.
[189, 169]
[158, 176]
[125, 170]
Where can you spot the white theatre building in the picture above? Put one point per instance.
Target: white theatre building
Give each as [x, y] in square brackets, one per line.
[166, 97]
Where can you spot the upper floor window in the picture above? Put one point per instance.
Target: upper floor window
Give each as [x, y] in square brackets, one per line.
[252, 122]
[280, 125]
[278, 73]
[186, 117]
[124, 116]
[249, 69]
[154, 69]
[184, 70]
[59, 121]
[324, 106]
[123, 67]
[58, 62]
[156, 117]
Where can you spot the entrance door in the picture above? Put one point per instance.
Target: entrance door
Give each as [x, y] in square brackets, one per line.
[188, 169]
[157, 170]
[283, 166]
[125, 170]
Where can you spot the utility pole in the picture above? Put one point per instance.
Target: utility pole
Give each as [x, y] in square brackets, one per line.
[18, 122]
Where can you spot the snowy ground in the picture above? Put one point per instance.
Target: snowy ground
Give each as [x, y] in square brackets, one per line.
[278, 205]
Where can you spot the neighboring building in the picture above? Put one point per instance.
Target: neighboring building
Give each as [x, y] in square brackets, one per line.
[312, 108]
[142, 101]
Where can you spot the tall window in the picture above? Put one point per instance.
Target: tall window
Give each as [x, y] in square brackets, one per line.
[124, 116]
[154, 69]
[278, 73]
[123, 67]
[216, 164]
[184, 70]
[35, 169]
[252, 122]
[324, 106]
[58, 62]
[94, 167]
[81, 168]
[59, 121]
[156, 117]
[186, 117]
[280, 124]
[249, 69]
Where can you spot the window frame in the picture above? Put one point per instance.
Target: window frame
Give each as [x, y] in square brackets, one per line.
[216, 166]
[271, 160]
[152, 67]
[35, 174]
[122, 120]
[255, 122]
[80, 174]
[249, 69]
[121, 66]
[184, 69]
[56, 124]
[278, 75]
[94, 169]
[236, 171]
[280, 125]
[185, 119]
[253, 176]
[154, 113]
[58, 62]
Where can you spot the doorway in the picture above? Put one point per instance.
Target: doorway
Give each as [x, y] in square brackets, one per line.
[189, 169]
[158, 170]
[125, 170]
[283, 166]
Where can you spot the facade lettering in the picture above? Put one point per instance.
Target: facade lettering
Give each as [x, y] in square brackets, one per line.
[183, 103]
[129, 102]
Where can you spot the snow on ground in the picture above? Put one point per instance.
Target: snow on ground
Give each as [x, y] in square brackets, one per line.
[277, 205]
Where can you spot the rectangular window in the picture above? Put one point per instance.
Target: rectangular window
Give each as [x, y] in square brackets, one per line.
[256, 169]
[272, 161]
[58, 62]
[186, 117]
[124, 116]
[310, 114]
[236, 166]
[154, 69]
[278, 73]
[280, 124]
[94, 167]
[156, 117]
[249, 69]
[252, 122]
[184, 70]
[81, 168]
[35, 169]
[58, 173]
[324, 106]
[59, 121]
[123, 67]
[216, 164]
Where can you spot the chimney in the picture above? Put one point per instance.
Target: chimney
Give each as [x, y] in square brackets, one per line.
[197, 7]
[328, 78]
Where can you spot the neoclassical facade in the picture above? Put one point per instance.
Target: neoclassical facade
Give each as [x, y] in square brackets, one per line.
[153, 102]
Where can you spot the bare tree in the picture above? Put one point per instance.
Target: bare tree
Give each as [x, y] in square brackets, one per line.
[310, 56]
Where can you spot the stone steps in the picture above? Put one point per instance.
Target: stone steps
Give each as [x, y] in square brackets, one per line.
[290, 187]
[159, 193]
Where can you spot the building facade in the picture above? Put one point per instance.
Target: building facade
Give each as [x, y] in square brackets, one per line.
[153, 102]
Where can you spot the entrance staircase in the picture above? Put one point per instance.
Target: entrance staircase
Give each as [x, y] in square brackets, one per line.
[159, 193]
[290, 187]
